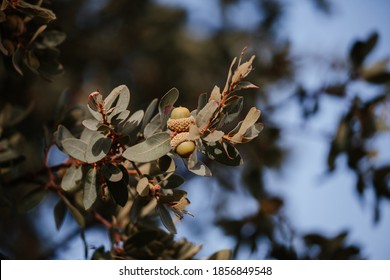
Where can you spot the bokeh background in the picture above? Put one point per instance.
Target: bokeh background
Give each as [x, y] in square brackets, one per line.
[315, 184]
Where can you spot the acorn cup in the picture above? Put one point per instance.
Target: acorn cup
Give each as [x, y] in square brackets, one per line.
[180, 120]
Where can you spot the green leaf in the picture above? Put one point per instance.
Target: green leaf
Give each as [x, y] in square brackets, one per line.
[32, 199]
[98, 147]
[75, 148]
[143, 187]
[153, 126]
[120, 118]
[233, 108]
[112, 173]
[91, 124]
[72, 178]
[59, 213]
[138, 203]
[237, 134]
[202, 101]
[216, 95]
[204, 116]
[214, 136]
[133, 122]
[90, 194]
[74, 211]
[166, 105]
[224, 153]
[61, 134]
[166, 218]
[149, 113]
[151, 149]
[196, 166]
[119, 99]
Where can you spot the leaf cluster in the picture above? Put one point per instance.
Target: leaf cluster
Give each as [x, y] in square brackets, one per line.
[26, 41]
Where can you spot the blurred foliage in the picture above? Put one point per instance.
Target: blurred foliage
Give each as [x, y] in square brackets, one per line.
[82, 46]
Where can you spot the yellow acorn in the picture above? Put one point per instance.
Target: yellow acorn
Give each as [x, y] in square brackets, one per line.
[181, 145]
[185, 149]
[180, 120]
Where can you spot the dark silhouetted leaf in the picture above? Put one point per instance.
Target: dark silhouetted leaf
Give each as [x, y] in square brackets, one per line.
[360, 49]
[31, 199]
[224, 153]
[166, 218]
[75, 212]
[379, 78]
[117, 183]
[172, 182]
[59, 213]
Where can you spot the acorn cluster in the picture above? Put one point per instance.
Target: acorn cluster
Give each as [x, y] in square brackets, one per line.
[179, 123]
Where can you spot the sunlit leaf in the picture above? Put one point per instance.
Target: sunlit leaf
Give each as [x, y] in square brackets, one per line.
[143, 187]
[215, 95]
[152, 148]
[98, 147]
[91, 124]
[214, 136]
[119, 99]
[204, 116]
[75, 148]
[72, 178]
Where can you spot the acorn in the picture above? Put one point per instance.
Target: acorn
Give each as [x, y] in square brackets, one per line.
[185, 149]
[180, 120]
[181, 145]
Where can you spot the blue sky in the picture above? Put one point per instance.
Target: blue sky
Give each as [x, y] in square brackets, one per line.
[311, 203]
